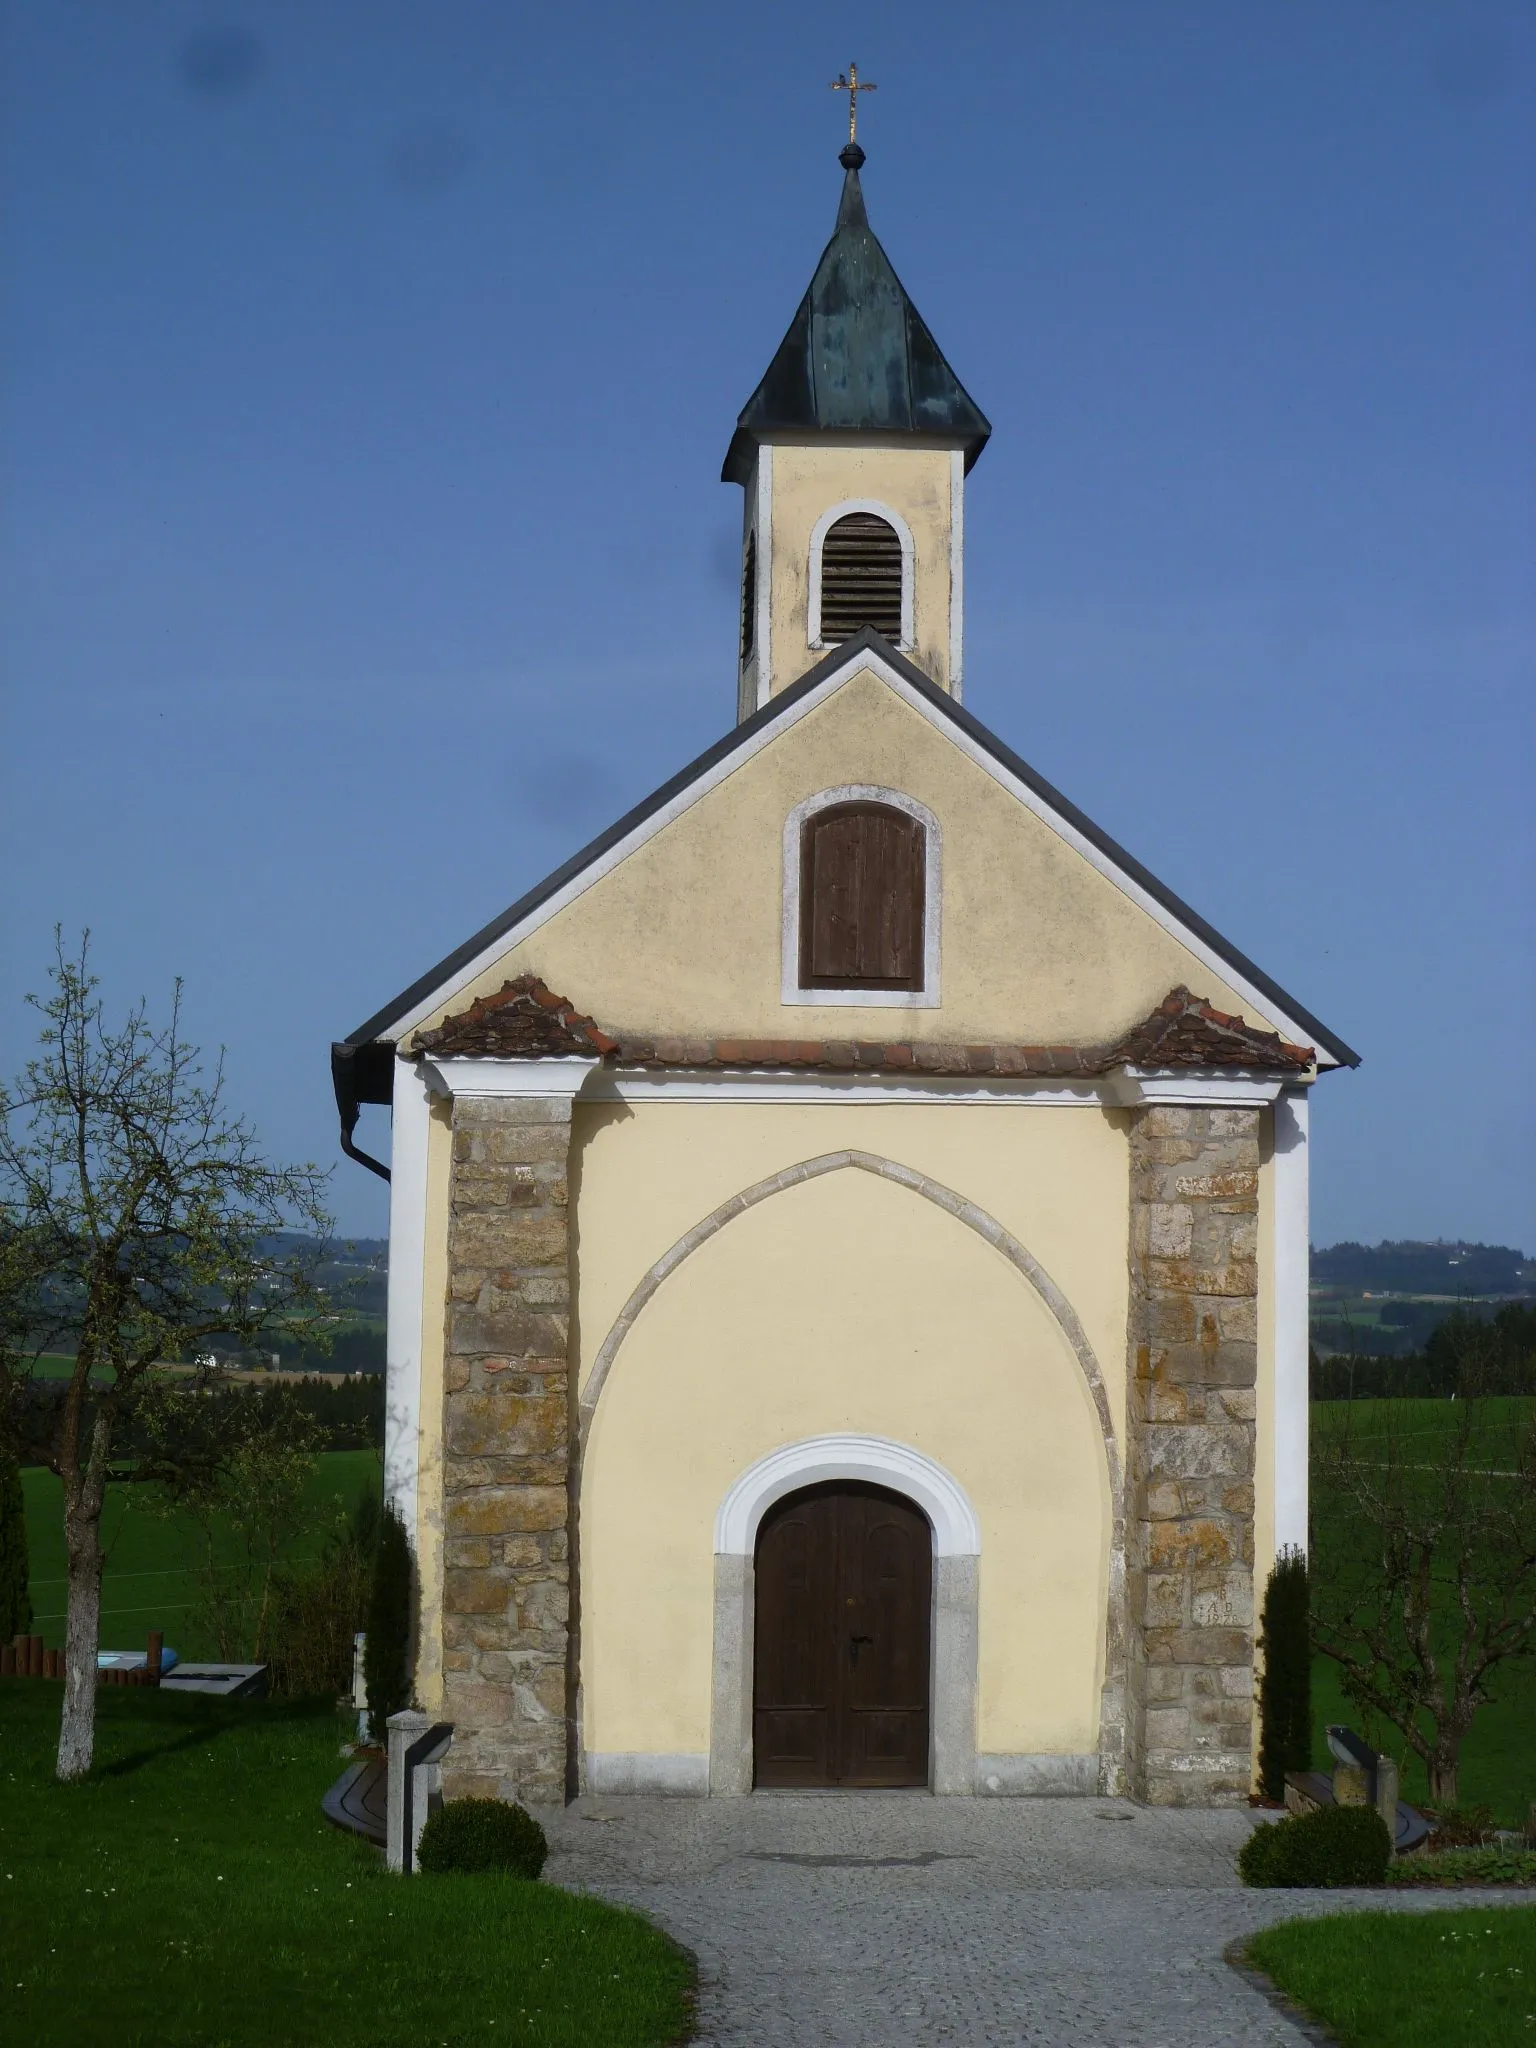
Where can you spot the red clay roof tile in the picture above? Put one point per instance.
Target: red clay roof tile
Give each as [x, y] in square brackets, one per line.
[526, 1020]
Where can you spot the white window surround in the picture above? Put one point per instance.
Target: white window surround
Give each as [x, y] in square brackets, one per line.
[819, 533]
[924, 998]
[878, 1461]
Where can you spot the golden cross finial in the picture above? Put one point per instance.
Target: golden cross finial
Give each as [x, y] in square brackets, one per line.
[853, 85]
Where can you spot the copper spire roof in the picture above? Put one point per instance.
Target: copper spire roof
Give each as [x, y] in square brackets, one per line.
[858, 357]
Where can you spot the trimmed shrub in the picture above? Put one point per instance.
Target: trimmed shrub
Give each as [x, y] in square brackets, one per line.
[1285, 1690]
[15, 1598]
[1335, 1845]
[389, 1655]
[482, 1834]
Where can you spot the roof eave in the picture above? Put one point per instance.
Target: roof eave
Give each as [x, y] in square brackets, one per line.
[741, 455]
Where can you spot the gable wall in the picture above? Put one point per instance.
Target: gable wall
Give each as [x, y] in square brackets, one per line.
[684, 936]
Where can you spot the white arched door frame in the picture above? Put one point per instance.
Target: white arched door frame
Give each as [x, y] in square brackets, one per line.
[877, 1461]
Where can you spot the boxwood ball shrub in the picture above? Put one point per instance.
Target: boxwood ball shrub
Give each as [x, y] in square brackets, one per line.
[1335, 1845]
[482, 1834]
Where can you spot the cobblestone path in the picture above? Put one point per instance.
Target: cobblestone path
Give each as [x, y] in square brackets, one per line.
[896, 1920]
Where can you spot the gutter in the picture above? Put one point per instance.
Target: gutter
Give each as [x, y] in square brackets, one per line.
[359, 1074]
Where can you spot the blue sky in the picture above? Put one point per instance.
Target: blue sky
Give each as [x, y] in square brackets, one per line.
[369, 369]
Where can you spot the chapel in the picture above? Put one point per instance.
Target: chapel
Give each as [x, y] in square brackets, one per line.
[848, 1224]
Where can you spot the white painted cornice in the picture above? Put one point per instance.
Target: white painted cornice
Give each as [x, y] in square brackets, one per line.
[554, 1075]
[1137, 1087]
[720, 1084]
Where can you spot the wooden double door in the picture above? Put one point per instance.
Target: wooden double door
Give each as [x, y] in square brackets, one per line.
[840, 1670]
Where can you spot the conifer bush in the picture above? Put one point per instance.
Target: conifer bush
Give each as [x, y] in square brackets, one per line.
[1285, 1689]
[15, 1598]
[1329, 1847]
[482, 1834]
[389, 1655]
[318, 1610]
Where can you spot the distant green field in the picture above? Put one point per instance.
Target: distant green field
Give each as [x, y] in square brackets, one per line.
[149, 1582]
[54, 1365]
[1424, 1422]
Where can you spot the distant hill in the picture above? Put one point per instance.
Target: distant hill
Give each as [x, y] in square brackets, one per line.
[1410, 1267]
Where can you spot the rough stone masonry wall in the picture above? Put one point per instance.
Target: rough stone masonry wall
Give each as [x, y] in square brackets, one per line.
[506, 1441]
[1190, 1454]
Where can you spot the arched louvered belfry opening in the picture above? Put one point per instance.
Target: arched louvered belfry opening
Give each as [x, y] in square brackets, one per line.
[861, 578]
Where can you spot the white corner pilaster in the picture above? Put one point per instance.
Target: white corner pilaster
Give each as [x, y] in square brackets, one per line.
[410, 1119]
[957, 574]
[764, 593]
[1292, 1268]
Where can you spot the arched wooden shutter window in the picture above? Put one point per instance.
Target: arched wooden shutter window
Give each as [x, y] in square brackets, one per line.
[860, 577]
[749, 599]
[861, 898]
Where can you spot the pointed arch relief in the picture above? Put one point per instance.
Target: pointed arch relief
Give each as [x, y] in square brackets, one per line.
[973, 1217]
[969, 1213]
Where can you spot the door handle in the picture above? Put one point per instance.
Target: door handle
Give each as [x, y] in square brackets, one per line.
[853, 1647]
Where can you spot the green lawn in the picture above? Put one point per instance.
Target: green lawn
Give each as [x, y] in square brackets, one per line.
[1498, 1767]
[149, 1582]
[1498, 1758]
[189, 1895]
[1464, 1979]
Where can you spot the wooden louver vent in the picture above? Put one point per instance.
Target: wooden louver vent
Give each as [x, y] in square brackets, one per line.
[749, 599]
[861, 898]
[860, 578]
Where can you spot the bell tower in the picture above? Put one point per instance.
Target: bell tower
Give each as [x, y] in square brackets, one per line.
[852, 455]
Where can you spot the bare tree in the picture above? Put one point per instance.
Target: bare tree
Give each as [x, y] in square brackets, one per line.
[1424, 1554]
[138, 1220]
